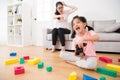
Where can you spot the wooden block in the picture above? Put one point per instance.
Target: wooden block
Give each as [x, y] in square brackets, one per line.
[73, 76]
[118, 60]
[105, 59]
[11, 61]
[26, 57]
[113, 67]
[106, 71]
[86, 77]
[13, 54]
[34, 61]
[19, 70]
[40, 65]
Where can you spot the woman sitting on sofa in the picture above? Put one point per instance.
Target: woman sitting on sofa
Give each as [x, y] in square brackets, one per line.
[62, 26]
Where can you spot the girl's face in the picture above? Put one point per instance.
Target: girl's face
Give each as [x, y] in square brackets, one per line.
[60, 8]
[78, 26]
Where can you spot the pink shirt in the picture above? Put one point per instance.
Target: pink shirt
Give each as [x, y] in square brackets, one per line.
[89, 49]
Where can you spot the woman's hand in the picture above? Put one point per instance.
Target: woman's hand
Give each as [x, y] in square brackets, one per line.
[64, 3]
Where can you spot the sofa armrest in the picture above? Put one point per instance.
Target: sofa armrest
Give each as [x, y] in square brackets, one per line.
[49, 31]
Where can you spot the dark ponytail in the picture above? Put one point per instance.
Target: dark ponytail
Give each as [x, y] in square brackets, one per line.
[56, 12]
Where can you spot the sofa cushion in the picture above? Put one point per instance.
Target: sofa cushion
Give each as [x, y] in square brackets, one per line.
[112, 27]
[99, 26]
[49, 37]
[90, 23]
[109, 37]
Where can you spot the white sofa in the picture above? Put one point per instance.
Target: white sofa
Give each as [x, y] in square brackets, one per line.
[109, 40]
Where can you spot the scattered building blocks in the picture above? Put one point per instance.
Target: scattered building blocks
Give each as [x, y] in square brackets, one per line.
[40, 65]
[13, 54]
[26, 57]
[11, 61]
[22, 61]
[34, 61]
[113, 67]
[73, 76]
[86, 77]
[19, 70]
[106, 71]
[105, 59]
[102, 78]
[49, 68]
[118, 60]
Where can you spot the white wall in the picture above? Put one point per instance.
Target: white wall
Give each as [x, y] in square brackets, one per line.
[3, 21]
[91, 9]
[97, 9]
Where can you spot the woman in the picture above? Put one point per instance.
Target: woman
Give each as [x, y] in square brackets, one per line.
[88, 58]
[62, 27]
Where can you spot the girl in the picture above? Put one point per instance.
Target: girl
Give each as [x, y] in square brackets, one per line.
[62, 26]
[88, 60]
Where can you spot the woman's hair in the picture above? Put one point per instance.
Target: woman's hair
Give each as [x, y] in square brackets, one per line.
[56, 12]
[82, 19]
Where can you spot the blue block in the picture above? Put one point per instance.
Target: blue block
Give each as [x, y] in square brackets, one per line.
[86, 77]
[13, 54]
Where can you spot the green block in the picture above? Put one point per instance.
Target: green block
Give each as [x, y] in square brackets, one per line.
[106, 71]
[40, 65]
[49, 68]
[22, 61]
[102, 78]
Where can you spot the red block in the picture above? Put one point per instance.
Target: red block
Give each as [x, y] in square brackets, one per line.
[105, 59]
[26, 57]
[118, 60]
[19, 70]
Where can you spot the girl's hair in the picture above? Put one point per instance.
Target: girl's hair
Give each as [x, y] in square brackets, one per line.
[56, 12]
[82, 19]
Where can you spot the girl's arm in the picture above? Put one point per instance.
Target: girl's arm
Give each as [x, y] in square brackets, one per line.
[92, 38]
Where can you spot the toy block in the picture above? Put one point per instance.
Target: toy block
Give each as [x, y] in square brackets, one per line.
[106, 71]
[11, 61]
[40, 65]
[13, 54]
[86, 77]
[45, 49]
[26, 57]
[105, 59]
[22, 61]
[19, 70]
[113, 67]
[34, 61]
[73, 76]
[118, 60]
[102, 78]
[49, 68]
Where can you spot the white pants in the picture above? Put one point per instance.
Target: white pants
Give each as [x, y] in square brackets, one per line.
[89, 63]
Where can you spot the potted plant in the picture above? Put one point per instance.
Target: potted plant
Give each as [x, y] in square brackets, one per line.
[10, 11]
[19, 20]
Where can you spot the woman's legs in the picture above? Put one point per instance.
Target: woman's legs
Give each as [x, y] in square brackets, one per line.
[61, 33]
[54, 38]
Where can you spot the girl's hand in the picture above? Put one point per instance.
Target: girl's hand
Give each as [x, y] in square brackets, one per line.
[80, 43]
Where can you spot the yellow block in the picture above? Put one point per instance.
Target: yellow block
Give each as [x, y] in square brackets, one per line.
[34, 61]
[11, 61]
[113, 67]
[73, 76]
